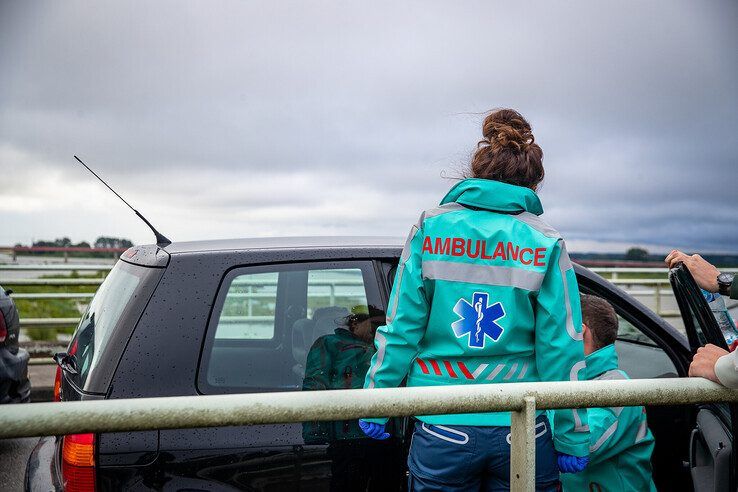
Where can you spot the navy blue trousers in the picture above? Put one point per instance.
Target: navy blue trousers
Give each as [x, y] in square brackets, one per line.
[462, 458]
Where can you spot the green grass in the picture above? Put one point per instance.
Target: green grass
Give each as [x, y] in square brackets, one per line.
[51, 308]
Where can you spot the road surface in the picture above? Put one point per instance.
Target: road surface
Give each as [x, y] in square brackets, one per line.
[13, 456]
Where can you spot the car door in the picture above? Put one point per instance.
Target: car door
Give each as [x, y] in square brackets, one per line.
[712, 460]
[285, 327]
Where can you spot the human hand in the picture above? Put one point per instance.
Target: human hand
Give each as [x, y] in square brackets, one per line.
[704, 273]
[703, 363]
[571, 464]
[373, 430]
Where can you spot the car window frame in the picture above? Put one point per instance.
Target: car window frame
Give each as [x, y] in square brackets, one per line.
[366, 265]
[690, 300]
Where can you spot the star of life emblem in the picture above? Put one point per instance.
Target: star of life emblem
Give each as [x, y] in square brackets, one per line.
[478, 319]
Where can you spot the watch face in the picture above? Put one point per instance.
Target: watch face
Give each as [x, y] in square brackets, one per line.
[725, 278]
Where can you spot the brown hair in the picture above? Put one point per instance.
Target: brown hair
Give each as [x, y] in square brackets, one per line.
[508, 151]
[601, 319]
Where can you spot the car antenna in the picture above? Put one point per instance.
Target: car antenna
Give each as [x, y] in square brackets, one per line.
[161, 239]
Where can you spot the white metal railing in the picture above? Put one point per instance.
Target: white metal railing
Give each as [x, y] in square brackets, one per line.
[643, 285]
[522, 399]
[658, 289]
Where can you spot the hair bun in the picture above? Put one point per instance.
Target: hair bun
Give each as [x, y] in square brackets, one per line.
[508, 152]
[507, 129]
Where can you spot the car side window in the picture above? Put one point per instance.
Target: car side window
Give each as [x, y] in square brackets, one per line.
[249, 308]
[628, 332]
[639, 356]
[290, 326]
[700, 322]
[342, 287]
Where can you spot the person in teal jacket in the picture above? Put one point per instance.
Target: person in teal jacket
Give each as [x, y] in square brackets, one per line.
[621, 443]
[484, 293]
[340, 360]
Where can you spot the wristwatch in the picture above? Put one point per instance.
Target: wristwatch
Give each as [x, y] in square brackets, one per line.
[725, 281]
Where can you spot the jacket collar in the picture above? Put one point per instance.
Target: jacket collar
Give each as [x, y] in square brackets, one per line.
[495, 196]
[601, 361]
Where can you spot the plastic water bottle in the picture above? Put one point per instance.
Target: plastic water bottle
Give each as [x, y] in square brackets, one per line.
[722, 316]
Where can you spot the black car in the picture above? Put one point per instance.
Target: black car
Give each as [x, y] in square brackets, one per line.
[264, 315]
[14, 384]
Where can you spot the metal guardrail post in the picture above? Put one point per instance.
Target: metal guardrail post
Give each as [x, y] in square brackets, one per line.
[523, 447]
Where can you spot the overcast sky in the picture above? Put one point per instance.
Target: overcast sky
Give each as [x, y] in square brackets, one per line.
[232, 119]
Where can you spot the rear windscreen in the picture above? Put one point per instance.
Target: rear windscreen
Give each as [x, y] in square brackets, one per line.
[116, 307]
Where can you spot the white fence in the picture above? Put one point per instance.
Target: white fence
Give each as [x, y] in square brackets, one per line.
[648, 285]
[651, 287]
[522, 399]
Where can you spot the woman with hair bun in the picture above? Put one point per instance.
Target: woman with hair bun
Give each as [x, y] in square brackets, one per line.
[484, 294]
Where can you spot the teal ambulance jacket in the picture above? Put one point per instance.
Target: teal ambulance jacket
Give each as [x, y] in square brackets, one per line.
[336, 361]
[484, 293]
[621, 443]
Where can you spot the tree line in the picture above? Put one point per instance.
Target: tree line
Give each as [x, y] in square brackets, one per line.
[65, 242]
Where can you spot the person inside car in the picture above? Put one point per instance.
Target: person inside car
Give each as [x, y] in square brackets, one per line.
[621, 444]
[340, 361]
[484, 293]
[710, 362]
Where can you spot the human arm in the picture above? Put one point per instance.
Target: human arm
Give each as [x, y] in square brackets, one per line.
[397, 342]
[317, 366]
[317, 370]
[726, 369]
[716, 364]
[559, 349]
[703, 272]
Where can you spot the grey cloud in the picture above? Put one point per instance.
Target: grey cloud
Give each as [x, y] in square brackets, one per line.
[632, 103]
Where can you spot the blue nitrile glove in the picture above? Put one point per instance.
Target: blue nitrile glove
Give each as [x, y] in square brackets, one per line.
[572, 464]
[375, 431]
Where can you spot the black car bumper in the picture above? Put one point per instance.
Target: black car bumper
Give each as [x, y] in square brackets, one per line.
[14, 384]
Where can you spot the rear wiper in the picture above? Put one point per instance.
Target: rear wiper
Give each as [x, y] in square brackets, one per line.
[66, 361]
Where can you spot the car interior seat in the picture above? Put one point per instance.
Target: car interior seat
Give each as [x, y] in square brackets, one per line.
[305, 331]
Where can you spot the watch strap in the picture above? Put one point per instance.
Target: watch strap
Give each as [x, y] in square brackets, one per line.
[726, 288]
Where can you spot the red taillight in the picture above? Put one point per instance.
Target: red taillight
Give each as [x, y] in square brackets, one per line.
[57, 384]
[78, 462]
[3, 328]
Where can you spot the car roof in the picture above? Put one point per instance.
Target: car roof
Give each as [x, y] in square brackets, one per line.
[303, 242]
